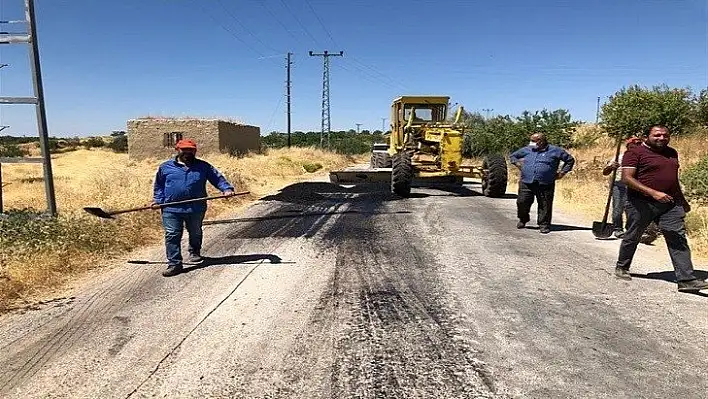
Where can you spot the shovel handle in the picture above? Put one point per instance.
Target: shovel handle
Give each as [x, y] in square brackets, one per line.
[612, 181]
[160, 206]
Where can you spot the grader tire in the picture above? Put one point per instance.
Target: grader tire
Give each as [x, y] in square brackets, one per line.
[375, 160]
[380, 160]
[496, 176]
[386, 161]
[401, 174]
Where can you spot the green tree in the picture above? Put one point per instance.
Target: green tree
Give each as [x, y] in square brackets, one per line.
[702, 108]
[119, 142]
[632, 109]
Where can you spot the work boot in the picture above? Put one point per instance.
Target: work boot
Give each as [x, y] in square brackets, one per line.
[194, 258]
[520, 225]
[622, 274]
[172, 270]
[694, 285]
[544, 229]
[619, 233]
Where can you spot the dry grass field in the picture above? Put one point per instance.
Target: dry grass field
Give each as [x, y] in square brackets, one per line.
[39, 254]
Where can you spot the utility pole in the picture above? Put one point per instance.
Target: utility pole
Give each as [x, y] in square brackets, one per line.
[597, 112]
[487, 110]
[289, 82]
[326, 123]
[383, 125]
[38, 100]
[358, 125]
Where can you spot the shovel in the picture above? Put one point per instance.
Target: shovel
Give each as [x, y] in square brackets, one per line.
[603, 230]
[109, 215]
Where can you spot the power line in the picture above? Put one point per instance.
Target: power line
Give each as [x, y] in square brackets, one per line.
[300, 23]
[244, 27]
[321, 23]
[272, 14]
[229, 31]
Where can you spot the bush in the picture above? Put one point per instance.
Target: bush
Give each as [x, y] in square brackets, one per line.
[119, 143]
[311, 167]
[631, 110]
[702, 108]
[695, 181]
[93, 142]
[12, 151]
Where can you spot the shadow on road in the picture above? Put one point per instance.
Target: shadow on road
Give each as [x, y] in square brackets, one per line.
[221, 260]
[563, 227]
[235, 260]
[670, 276]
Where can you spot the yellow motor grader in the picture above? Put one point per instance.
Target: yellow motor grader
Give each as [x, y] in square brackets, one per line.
[424, 144]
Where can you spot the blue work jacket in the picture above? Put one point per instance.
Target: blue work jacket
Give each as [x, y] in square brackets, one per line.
[541, 166]
[176, 182]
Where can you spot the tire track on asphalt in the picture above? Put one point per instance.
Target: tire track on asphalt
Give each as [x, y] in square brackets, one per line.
[385, 326]
[97, 303]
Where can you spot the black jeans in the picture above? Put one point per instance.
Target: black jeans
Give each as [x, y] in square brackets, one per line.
[619, 198]
[670, 218]
[541, 192]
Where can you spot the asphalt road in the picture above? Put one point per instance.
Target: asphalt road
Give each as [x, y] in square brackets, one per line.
[322, 291]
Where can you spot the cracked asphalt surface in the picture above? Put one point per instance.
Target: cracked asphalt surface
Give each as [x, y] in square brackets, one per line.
[326, 291]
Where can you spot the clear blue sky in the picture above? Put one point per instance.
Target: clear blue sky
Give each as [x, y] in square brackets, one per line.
[108, 61]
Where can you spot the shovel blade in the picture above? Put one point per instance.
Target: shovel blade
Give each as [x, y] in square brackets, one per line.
[98, 212]
[602, 230]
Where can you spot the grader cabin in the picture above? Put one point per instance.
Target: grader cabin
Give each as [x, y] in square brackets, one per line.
[156, 137]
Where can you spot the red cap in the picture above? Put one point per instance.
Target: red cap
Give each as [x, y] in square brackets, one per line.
[186, 144]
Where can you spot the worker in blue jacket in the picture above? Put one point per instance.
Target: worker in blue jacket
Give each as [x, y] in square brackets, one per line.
[539, 163]
[183, 178]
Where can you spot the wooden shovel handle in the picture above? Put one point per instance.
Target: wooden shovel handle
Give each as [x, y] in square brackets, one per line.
[143, 208]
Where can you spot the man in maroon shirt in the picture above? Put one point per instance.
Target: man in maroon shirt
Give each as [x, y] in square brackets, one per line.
[654, 193]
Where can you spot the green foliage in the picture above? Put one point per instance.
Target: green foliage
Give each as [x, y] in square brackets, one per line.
[343, 142]
[632, 109]
[119, 142]
[702, 108]
[4, 140]
[93, 142]
[695, 181]
[503, 134]
[311, 167]
[12, 151]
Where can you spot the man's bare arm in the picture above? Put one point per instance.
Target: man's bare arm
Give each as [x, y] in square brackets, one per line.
[628, 177]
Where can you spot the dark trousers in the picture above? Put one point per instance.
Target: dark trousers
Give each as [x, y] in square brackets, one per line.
[670, 218]
[619, 198]
[174, 224]
[543, 193]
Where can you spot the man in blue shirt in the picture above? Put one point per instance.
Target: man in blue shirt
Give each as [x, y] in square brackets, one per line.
[182, 178]
[539, 164]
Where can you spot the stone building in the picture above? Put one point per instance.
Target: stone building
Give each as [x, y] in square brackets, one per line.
[156, 137]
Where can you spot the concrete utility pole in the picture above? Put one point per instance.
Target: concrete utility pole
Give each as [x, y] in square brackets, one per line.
[358, 125]
[326, 124]
[289, 82]
[38, 99]
[383, 125]
[597, 112]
